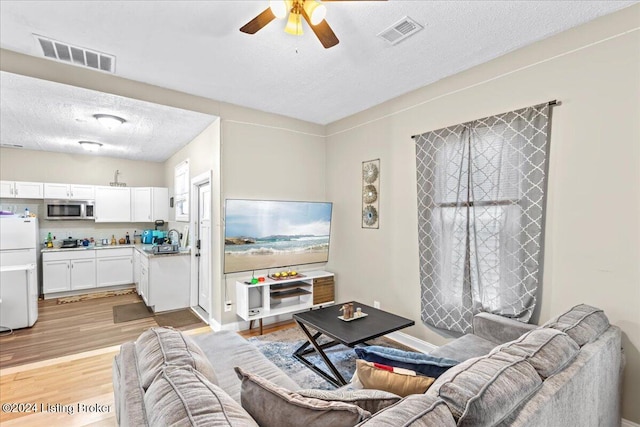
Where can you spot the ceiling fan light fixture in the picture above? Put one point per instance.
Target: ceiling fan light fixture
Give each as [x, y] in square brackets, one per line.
[109, 121]
[90, 145]
[315, 11]
[294, 24]
[279, 8]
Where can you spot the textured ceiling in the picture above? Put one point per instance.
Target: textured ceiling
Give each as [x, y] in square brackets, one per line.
[196, 47]
[48, 116]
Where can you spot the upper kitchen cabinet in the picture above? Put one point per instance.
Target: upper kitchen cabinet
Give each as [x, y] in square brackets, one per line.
[113, 204]
[69, 191]
[149, 204]
[21, 190]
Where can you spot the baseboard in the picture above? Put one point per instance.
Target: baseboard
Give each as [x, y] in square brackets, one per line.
[412, 342]
[627, 423]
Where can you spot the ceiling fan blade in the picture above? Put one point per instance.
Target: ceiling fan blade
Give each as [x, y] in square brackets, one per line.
[258, 22]
[323, 31]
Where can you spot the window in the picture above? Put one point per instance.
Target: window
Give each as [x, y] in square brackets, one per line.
[181, 191]
[480, 209]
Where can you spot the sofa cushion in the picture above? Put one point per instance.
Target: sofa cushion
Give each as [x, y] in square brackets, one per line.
[381, 377]
[180, 395]
[583, 323]
[128, 393]
[424, 364]
[157, 347]
[418, 410]
[548, 350]
[369, 400]
[466, 347]
[483, 391]
[274, 406]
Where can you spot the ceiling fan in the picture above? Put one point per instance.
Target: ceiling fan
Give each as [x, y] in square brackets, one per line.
[312, 11]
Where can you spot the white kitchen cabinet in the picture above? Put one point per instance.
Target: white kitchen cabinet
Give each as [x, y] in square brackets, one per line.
[68, 270]
[149, 204]
[83, 274]
[114, 267]
[136, 270]
[68, 191]
[113, 204]
[56, 276]
[165, 281]
[21, 190]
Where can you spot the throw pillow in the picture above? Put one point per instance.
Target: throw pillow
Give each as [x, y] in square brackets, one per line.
[582, 323]
[369, 400]
[419, 410]
[274, 406]
[424, 364]
[400, 381]
[181, 396]
[157, 347]
[548, 350]
[485, 390]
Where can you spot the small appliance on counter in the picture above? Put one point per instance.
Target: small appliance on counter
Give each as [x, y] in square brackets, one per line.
[69, 243]
[165, 248]
[152, 236]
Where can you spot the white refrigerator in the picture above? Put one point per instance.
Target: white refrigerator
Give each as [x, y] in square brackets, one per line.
[18, 272]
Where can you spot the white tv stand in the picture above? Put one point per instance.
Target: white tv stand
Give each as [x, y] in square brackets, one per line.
[284, 296]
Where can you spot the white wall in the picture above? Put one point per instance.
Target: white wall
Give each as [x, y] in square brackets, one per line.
[593, 216]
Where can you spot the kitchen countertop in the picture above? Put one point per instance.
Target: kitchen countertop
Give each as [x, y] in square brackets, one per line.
[85, 248]
[144, 249]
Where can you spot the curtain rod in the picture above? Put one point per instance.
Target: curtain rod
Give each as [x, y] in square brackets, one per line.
[550, 103]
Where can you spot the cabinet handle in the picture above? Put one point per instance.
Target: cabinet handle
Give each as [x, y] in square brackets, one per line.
[71, 193]
[67, 194]
[16, 191]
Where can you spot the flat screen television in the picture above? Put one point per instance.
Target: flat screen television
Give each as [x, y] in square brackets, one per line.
[265, 234]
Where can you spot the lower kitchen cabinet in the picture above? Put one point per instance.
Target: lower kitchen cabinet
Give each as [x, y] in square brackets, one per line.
[68, 271]
[76, 271]
[165, 281]
[114, 267]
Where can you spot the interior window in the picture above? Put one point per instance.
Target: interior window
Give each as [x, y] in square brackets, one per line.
[181, 191]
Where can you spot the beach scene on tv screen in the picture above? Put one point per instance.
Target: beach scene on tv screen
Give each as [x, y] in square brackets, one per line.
[268, 234]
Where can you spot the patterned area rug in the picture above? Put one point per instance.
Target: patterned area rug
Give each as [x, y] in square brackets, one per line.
[279, 347]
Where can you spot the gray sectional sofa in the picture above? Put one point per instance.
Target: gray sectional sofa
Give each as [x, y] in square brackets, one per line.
[566, 372]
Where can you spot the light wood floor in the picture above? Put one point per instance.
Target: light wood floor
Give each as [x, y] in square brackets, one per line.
[81, 378]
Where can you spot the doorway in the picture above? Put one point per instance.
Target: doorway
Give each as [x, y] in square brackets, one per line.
[201, 244]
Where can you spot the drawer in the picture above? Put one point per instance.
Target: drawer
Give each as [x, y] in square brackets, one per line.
[323, 293]
[67, 255]
[106, 253]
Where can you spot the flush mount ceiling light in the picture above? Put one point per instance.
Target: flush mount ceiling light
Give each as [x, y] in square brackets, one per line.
[90, 145]
[311, 10]
[109, 121]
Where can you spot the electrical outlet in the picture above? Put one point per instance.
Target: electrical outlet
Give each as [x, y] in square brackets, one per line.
[227, 306]
[376, 304]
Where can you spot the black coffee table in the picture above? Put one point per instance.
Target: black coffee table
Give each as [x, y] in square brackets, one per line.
[325, 321]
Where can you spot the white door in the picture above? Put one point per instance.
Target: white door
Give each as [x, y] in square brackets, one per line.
[29, 190]
[6, 189]
[141, 204]
[82, 192]
[203, 246]
[83, 273]
[56, 191]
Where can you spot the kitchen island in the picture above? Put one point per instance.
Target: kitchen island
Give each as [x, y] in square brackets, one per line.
[162, 280]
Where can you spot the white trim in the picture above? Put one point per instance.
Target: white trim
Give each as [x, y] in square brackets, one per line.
[215, 325]
[275, 127]
[196, 181]
[627, 423]
[412, 342]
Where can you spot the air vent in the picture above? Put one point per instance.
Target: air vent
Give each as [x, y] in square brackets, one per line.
[406, 27]
[12, 145]
[76, 55]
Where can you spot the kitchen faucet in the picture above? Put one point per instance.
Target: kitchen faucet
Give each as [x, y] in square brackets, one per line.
[177, 240]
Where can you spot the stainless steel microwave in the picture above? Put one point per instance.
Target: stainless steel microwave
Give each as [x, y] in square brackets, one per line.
[69, 209]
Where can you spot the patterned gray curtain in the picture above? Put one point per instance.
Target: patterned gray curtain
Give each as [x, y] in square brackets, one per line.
[481, 197]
